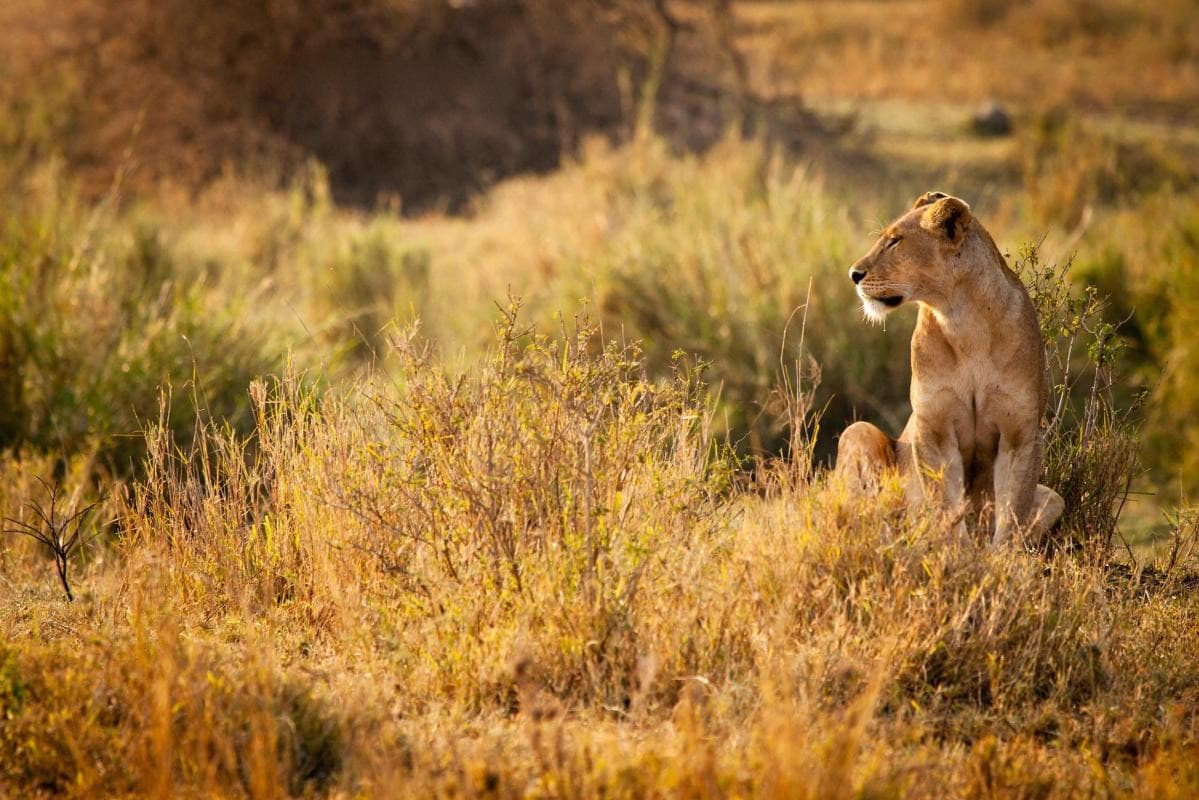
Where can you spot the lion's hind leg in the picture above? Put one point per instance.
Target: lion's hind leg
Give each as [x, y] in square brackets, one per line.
[863, 453]
[1047, 508]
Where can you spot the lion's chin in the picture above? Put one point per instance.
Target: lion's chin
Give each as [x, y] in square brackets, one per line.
[877, 308]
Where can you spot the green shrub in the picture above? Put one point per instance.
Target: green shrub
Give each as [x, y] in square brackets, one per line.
[1146, 261]
[1092, 430]
[98, 319]
[369, 283]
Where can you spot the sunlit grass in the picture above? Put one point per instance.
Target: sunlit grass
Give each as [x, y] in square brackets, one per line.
[537, 577]
[557, 553]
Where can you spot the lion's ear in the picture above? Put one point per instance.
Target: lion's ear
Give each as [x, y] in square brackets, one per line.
[948, 217]
[928, 197]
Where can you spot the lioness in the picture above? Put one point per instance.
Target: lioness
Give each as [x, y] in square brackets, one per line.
[978, 370]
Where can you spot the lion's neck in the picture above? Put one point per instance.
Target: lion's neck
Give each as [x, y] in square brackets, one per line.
[983, 293]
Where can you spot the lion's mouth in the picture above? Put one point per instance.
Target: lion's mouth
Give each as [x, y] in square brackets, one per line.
[878, 306]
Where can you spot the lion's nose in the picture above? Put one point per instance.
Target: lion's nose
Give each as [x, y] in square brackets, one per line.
[856, 275]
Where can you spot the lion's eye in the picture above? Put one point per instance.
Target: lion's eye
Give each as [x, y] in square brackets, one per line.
[894, 240]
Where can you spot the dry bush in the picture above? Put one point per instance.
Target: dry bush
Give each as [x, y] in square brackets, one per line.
[424, 100]
[551, 471]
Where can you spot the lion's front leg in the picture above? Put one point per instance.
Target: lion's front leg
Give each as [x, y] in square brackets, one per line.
[931, 462]
[1017, 467]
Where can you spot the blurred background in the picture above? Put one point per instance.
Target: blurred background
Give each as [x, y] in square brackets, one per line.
[195, 194]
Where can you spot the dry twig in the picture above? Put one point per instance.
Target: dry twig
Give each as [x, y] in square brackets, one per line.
[61, 537]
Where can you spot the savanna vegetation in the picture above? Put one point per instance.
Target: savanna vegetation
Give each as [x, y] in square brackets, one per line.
[367, 436]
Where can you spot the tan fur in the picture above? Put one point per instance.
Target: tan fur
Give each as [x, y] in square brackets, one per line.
[978, 369]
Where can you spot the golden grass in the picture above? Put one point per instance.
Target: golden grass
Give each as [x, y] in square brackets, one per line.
[536, 579]
[485, 559]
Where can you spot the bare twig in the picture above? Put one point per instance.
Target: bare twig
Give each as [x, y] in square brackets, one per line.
[62, 537]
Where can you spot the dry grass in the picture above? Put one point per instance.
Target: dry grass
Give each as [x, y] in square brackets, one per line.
[1109, 54]
[363, 534]
[535, 578]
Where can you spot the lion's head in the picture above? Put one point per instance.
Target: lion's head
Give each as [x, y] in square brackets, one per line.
[913, 258]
